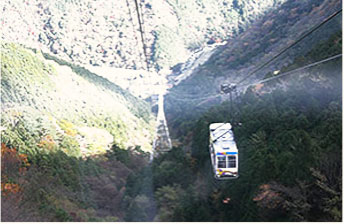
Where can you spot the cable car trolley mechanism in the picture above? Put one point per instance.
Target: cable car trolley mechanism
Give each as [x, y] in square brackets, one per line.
[223, 151]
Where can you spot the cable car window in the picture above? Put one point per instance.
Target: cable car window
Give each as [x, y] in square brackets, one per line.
[231, 162]
[221, 162]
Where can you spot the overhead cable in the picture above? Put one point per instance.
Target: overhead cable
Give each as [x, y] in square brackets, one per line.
[141, 31]
[205, 98]
[292, 45]
[292, 71]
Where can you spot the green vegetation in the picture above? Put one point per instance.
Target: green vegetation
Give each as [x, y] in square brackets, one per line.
[138, 107]
[192, 23]
[69, 125]
[290, 151]
[198, 87]
[324, 49]
[59, 187]
[75, 145]
[42, 101]
[290, 158]
[263, 39]
[276, 30]
[79, 32]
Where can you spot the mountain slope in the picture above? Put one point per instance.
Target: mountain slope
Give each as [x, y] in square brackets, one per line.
[107, 33]
[185, 26]
[256, 45]
[290, 154]
[69, 94]
[68, 137]
[75, 145]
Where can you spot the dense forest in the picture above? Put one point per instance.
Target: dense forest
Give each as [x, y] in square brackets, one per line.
[257, 44]
[58, 152]
[289, 139]
[105, 33]
[78, 146]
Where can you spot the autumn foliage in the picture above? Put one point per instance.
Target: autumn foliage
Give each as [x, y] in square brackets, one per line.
[47, 142]
[13, 165]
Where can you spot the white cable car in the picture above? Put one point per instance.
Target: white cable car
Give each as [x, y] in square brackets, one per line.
[223, 151]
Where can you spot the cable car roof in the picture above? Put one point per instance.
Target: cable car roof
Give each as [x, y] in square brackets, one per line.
[214, 126]
[222, 138]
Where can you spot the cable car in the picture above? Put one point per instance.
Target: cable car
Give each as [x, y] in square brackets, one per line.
[223, 151]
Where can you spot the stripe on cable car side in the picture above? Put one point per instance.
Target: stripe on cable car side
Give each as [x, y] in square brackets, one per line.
[225, 171]
[226, 153]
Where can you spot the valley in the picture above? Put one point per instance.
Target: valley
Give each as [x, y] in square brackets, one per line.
[91, 132]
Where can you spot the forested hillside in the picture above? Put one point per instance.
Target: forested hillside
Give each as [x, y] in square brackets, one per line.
[290, 151]
[188, 25]
[62, 128]
[105, 33]
[261, 41]
[79, 143]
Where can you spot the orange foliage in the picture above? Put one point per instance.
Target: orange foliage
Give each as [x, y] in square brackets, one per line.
[47, 142]
[12, 164]
[8, 188]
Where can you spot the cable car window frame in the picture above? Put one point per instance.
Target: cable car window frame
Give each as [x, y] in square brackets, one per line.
[222, 162]
[231, 160]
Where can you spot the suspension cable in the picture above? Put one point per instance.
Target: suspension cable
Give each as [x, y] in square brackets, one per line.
[190, 96]
[144, 33]
[141, 31]
[291, 71]
[134, 31]
[143, 21]
[206, 98]
[194, 99]
[291, 45]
